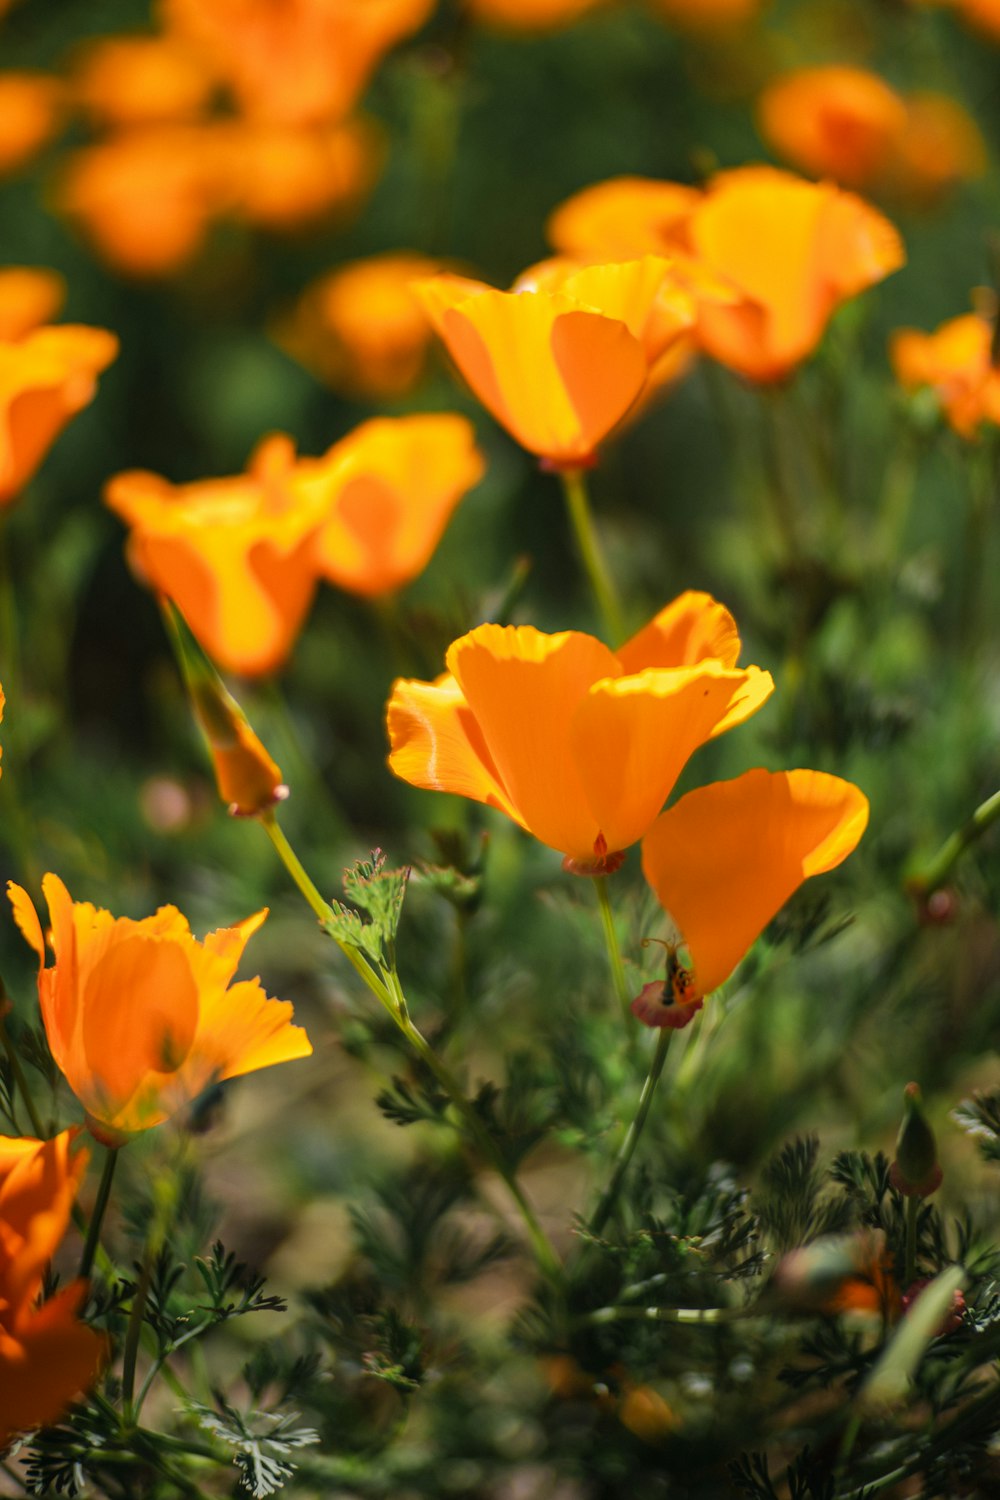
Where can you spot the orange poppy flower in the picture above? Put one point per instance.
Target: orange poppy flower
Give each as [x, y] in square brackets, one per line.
[235, 555]
[361, 328]
[795, 250]
[609, 732]
[392, 485]
[29, 297]
[531, 15]
[285, 176]
[941, 146]
[838, 122]
[956, 362]
[47, 1356]
[141, 1017]
[46, 377]
[300, 62]
[558, 368]
[984, 15]
[724, 860]
[31, 112]
[139, 80]
[621, 218]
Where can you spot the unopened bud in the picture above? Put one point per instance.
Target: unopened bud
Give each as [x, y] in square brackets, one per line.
[915, 1173]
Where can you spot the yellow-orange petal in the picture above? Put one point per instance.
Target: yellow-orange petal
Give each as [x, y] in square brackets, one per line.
[692, 628]
[46, 1361]
[724, 859]
[621, 218]
[26, 918]
[833, 121]
[437, 744]
[524, 689]
[31, 110]
[29, 297]
[644, 294]
[242, 1029]
[632, 737]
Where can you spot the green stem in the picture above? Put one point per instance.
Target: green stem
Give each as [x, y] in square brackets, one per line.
[578, 504]
[614, 952]
[664, 1315]
[910, 1263]
[100, 1207]
[936, 872]
[134, 1333]
[627, 1150]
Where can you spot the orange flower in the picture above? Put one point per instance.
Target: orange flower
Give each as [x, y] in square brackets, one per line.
[559, 368]
[621, 218]
[139, 80]
[145, 198]
[299, 62]
[531, 15]
[795, 250]
[361, 328]
[285, 176]
[46, 377]
[579, 745]
[956, 362]
[838, 122]
[29, 297]
[31, 109]
[941, 146]
[392, 485]
[984, 15]
[141, 1017]
[724, 860]
[46, 1355]
[235, 555]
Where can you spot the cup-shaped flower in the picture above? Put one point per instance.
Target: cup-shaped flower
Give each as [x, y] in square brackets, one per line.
[579, 745]
[834, 121]
[235, 555]
[29, 297]
[558, 367]
[46, 377]
[392, 486]
[31, 112]
[724, 860]
[285, 177]
[795, 250]
[47, 1356]
[621, 218]
[141, 1017]
[955, 362]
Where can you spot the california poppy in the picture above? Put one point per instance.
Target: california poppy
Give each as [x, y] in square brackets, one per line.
[129, 81]
[956, 362]
[29, 297]
[46, 377]
[47, 1356]
[31, 112]
[235, 555]
[283, 176]
[610, 733]
[833, 121]
[141, 1017]
[392, 485]
[725, 858]
[941, 147]
[621, 218]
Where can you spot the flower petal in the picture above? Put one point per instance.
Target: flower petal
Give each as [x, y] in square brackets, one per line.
[437, 744]
[693, 627]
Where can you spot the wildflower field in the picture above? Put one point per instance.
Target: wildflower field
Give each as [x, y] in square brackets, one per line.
[500, 661]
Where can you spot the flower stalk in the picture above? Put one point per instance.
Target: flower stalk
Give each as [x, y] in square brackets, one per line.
[578, 505]
[609, 1198]
[92, 1241]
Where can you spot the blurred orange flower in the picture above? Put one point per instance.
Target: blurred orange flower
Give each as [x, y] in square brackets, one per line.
[836, 121]
[361, 328]
[31, 112]
[46, 1355]
[560, 366]
[29, 297]
[957, 363]
[724, 860]
[46, 377]
[235, 555]
[609, 732]
[795, 250]
[984, 15]
[621, 218]
[139, 80]
[941, 146]
[299, 62]
[531, 15]
[286, 176]
[141, 1017]
[392, 485]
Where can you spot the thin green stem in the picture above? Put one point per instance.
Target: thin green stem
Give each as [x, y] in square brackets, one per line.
[605, 1315]
[134, 1333]
[578, 504]
[936, 872]
[614, 952]
[100, 1206]
[910, 1261]
[610, 1196]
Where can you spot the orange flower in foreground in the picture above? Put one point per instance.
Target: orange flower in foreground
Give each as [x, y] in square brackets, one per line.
[31, 109]
[578, 744]
[795, 250]
[361, 328]
[957, 363]
[46, 377]
[559, 368]
[141, 1017]
[531, 15]
[621, 218]
[139, 80]
[392, 484]
[724, 860]
[46, 1355]
[29, 297]
[838, 122]
[235, 555]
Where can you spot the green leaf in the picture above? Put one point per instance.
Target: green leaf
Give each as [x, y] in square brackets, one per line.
[889, 1382]
[379, 892]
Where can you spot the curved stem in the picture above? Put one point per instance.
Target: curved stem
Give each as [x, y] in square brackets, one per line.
[664, 1315]
[610, 1196]
[614, 952]
[100, 1207]
[578, 504]
[936, 872]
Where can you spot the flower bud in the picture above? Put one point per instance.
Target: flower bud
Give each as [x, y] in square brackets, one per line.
[915, 1173]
